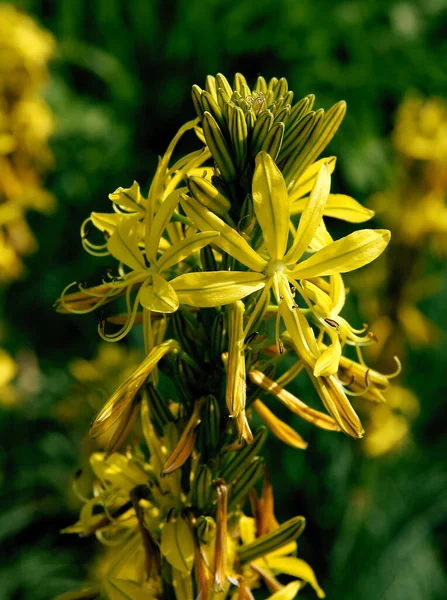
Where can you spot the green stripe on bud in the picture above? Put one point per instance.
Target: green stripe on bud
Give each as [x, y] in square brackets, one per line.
[321, 136]
[273, 141]
[243, 485]
[159, 413]
[300, 145]
[222, 82]
[218, 147]
[263, 125]
[206, 529]
[238, 464]
[205, 193]
[202, 487]
[238, 134]
[212, 420]
[211, 105]
[260, 85]
[284, 534]
[281, 88]
[196, 94]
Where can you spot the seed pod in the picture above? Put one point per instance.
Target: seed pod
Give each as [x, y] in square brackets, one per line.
[245, 482]
[284, 534]
[202, 487]
[242, 458]
[218, 147]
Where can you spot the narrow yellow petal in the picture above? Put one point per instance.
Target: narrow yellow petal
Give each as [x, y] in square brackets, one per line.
[349, 253]
[124, 395]
[280, 429]
[288, 592]
[289, 565]
[306, 182]
[346, 208]
[292, 402]
[311, 217]
[185, 247]
[271, 204]
[216, 288]
[161, 219]
[230, 241]
[123, 245]
[328, 362]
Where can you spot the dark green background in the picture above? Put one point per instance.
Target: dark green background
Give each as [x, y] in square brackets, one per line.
[120, 88]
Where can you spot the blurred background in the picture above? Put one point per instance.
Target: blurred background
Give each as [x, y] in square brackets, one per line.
[90, 94]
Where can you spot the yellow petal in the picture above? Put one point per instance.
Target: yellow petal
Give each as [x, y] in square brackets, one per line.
[328, 362]
[216, 288]
[129, 198]
[306, 182]
[229, 240]
[121, 589]
[293, 403]
[185, 247]
[311, 217]
[271, 204]
[177, 544]
[119, 471]
[106, 221]
[288, 592]
[280, 429]
[236, 383]
[349, 253]
[296, 567]
[161, 219]
[123, 245]
[159, 297]
[338, 206]
[124, 395]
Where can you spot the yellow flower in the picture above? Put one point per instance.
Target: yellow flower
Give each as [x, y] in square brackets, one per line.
[276, 267]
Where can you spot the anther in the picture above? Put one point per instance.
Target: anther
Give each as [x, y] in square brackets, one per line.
[251, 337]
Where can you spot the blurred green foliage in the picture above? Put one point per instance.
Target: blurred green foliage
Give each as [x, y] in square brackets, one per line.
[119, 89]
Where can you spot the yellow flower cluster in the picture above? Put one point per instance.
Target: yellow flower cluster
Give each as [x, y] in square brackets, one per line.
[228, 266]
[25, 125]
[414, 207]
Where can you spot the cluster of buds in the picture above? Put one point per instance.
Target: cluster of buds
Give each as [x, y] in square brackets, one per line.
[25, 125]
[228, 267]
